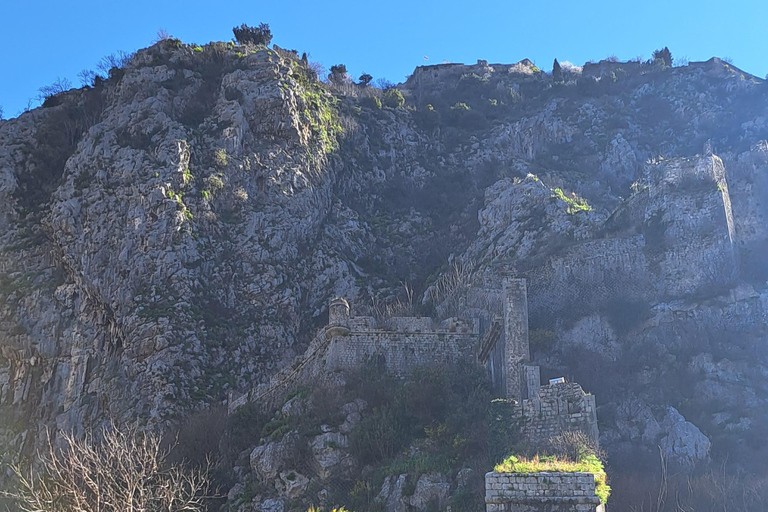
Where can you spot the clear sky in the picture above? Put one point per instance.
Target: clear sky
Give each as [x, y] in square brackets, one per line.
[42, 39]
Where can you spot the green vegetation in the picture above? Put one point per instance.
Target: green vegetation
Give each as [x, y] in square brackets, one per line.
[320, 111]
[575, 203]
[245, 34]
[588, 463]
[220, 157]
[393, 98]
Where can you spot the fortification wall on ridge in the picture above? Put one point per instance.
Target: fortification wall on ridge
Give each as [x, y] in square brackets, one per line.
[541, 492]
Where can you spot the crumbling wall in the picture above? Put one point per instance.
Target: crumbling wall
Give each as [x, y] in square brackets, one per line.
[558, 408]
[541, 492]
[401, 351]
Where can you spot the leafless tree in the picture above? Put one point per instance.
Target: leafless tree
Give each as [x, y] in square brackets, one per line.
[162, 35]
[86, 77]
[117, 60]
[59, 86]
[125, 470]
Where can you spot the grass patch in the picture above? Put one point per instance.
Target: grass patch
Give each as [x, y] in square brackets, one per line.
[587, 464]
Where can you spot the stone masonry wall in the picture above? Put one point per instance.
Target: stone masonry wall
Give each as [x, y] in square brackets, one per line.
[516, 346]
[402, 351]
[559, 408]
[541, 492]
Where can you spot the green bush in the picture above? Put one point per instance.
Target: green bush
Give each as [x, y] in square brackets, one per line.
[253, 35]
[393, 98]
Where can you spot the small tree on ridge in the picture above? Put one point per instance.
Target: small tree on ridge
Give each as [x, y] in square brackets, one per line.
[245, 34]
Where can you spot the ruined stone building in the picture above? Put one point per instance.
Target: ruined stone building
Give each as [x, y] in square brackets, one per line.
[493, 332]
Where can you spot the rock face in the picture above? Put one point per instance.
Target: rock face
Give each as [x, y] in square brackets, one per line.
[267, 460]
[176, 232]
[685, 443]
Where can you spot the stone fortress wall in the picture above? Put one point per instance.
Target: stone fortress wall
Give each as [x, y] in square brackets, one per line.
[403, 343]
[558, 408]
[541, 492]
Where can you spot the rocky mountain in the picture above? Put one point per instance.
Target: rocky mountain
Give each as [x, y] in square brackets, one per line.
[176, 231]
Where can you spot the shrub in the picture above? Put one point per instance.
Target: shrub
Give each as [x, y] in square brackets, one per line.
[245, 34]
[220, 157]
[365, 79]
[662, 57]
[393, 98]
[127, 470]
[47, 92]
[110, 64]
[575, 203]
[338, 74]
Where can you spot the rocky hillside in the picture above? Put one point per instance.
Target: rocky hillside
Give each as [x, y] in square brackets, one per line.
[175, 232]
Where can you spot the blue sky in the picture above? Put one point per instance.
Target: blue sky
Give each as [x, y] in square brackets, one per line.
[43, 40]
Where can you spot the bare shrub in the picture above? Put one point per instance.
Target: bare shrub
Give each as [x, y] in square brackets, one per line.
[318, 69]
[87, 77]
[125, 470]
[57, 87]
[162, 35]
[401, 306]
[117, 60]
[447, 292]
[574, 445]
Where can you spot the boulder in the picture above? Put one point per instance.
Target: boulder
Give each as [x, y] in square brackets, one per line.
[291, 484]
[391, 494]
[684, 444]
[329, 452]
[431, 488]
[268, 459]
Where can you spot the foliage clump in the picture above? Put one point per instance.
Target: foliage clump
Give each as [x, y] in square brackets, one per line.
[245, 34]
[393, 98]
[662, 57]
[575, 203]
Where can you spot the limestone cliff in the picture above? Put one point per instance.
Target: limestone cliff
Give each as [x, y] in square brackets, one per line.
[175, 232]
